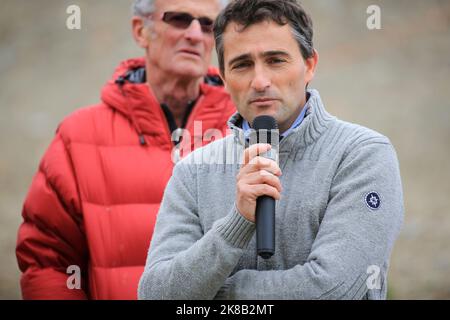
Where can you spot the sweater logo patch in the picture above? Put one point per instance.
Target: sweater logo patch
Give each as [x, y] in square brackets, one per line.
[373, 200]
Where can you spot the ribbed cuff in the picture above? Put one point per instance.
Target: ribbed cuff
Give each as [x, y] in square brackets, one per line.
[236, 230]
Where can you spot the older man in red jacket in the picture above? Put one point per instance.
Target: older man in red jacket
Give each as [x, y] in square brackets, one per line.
[93, 202]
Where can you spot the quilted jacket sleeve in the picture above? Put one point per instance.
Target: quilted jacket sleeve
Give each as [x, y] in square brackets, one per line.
[51, 237]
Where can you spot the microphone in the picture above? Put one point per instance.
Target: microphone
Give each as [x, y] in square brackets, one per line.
[265, 205]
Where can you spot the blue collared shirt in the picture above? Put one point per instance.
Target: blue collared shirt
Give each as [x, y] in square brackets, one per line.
[297, 122]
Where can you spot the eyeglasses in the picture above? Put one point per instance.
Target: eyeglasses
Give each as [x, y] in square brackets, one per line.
[183, 20]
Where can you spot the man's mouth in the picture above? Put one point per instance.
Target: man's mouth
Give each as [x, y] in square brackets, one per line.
[191, 52]
[262, 101]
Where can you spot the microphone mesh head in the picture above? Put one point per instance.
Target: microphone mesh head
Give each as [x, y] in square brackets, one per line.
[264, 126]
[264, 122]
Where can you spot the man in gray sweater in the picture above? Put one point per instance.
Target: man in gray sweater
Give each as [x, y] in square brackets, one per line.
[339, 197]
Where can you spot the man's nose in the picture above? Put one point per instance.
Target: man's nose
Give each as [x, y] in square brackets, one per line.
[194, 32]
[261, 80]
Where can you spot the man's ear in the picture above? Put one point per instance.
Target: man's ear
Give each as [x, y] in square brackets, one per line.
[140, 32]
[311, 64]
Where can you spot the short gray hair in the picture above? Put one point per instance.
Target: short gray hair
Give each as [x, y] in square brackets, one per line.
[143, 8]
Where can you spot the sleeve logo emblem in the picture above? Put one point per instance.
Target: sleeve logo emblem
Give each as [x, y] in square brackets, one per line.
[373, 200]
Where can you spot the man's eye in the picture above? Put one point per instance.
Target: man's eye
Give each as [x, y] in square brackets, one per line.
[241, 65]
[276, 61]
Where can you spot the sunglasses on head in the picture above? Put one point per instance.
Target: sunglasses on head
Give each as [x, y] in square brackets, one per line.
[183, 20]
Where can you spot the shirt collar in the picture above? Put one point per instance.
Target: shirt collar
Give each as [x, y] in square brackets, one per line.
[247, 130]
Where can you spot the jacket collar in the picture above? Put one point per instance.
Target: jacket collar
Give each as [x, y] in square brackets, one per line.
[136, 101]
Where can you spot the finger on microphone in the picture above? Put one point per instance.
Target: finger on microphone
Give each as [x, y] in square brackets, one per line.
[266, 190]
[266, 164]
[255, 150]
[263, 177]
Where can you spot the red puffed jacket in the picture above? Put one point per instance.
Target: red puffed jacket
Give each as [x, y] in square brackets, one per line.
[92, 204]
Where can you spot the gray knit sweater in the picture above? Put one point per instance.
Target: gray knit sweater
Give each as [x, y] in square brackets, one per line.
[340, 212]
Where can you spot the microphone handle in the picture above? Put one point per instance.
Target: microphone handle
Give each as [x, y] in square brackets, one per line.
[265, 226]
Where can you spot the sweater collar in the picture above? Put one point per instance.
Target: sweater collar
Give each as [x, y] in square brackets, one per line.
[247, 129]
[316, 121]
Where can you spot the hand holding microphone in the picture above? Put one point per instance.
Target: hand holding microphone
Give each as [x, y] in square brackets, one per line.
[258, 186]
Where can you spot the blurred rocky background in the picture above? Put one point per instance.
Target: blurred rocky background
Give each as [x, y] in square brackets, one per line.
[395, 80]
